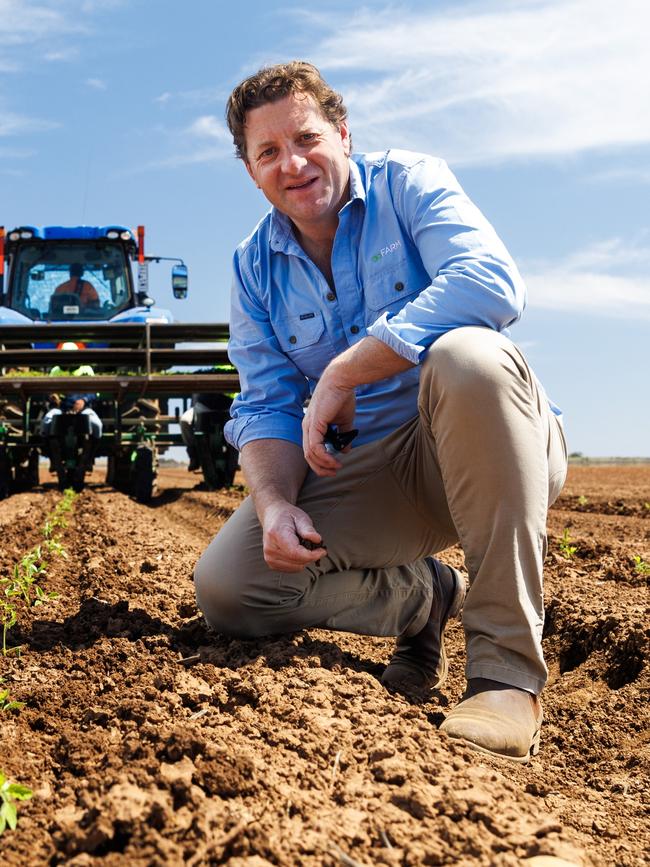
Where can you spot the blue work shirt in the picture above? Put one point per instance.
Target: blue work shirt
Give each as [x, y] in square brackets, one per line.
[412, 259]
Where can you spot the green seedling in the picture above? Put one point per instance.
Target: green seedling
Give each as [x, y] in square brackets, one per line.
[24, 581]
[567, 549]
[53, 546]
[41, 597]
[640, 566]
[7, 703]
[582, 500]
[9, 616]
[646, 506]
[26, 572]
[9, 794]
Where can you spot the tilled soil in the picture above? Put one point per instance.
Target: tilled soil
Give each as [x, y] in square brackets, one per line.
[149, 741]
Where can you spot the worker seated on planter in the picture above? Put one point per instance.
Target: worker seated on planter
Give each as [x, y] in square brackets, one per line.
[75, 404]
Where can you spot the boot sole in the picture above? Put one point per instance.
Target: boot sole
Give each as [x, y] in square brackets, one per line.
[520, 760]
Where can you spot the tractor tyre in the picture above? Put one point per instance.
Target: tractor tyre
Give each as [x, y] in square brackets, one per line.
[118, 472]
[5, 474]
[77, 478]
[213, 474]
[232, 464]
[26, 472]
[218, 470]
[144, 474]
[110, 471]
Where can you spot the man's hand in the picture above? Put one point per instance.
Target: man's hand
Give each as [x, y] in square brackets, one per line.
[331, 403]
[284, 526]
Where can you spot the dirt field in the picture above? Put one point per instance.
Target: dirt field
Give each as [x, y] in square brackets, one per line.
[149, 741]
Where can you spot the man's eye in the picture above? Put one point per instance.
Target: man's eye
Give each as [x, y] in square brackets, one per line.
[266, 153]
[308, 136]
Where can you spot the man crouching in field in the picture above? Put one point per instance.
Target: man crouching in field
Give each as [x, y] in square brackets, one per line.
[375, 290]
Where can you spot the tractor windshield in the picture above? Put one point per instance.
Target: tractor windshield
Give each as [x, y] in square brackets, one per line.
[70, 281]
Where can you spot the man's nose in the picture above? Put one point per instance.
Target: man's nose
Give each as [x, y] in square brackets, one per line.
[293, 162]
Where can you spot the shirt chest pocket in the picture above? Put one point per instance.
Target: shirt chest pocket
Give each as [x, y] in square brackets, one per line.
[305, 342]
[390, 289]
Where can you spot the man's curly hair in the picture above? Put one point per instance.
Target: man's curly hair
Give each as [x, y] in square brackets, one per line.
[273, 83]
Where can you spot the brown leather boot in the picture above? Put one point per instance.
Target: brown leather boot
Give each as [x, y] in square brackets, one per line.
[497, 719]
[420, 662]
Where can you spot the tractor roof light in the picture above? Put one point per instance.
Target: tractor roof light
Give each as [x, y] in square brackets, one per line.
[21, 234]
[126, 236]
[113, 234]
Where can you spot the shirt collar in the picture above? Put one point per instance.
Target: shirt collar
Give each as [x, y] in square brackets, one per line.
[281, 231]
[357, 189]
[282, 236]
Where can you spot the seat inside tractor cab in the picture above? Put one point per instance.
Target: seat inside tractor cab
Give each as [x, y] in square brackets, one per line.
[66, 304]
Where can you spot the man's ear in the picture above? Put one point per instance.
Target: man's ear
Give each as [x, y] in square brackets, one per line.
[346, 139]
[250, 172]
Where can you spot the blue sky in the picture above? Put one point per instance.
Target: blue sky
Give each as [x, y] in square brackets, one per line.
[111, 111]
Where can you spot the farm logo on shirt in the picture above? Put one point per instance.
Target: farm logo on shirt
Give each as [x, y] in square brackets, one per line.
[386, 251]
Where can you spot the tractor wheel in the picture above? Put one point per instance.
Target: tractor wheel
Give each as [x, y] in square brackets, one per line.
[110, 470]
[144, 474]
[26, 472]
[118, 472]
[77, 478]
[232, 464]
[5, 474]
[34, 465]
[213, 473]
[219, 461]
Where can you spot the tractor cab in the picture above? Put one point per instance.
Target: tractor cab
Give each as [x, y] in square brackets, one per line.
[69, 282]
[79, 274]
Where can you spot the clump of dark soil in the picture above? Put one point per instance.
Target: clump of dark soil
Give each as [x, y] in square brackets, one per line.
[149, 741]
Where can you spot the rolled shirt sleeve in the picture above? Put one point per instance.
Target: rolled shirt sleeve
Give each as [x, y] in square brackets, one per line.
[473, 279]
[272, 389]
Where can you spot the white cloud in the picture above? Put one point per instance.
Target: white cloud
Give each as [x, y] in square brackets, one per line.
[493, 80]
[17, 124]
[16, 153]
[611, 278]
[61, 56]
[208, 126]
[41, 30]
[25, 22]
[624, 175]
[205, 140]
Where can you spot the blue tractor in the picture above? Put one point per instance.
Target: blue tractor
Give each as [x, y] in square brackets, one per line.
[89, 362]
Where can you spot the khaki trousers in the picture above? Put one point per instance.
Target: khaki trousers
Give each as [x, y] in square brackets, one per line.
[478, 465]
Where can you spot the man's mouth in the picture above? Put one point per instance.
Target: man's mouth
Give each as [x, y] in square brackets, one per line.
[303, 185]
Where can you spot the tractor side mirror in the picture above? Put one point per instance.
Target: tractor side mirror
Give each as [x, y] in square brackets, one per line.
[179, 281]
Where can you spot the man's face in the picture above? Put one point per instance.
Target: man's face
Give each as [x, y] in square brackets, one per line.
[300, 162]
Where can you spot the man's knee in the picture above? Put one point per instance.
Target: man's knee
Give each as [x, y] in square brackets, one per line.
[234, 587]
[218, 593]
[469, 359]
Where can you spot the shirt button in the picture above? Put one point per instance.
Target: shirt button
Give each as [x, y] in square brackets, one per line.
[355, 329]
[399, 287]
[331, 296]
[293, 339]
